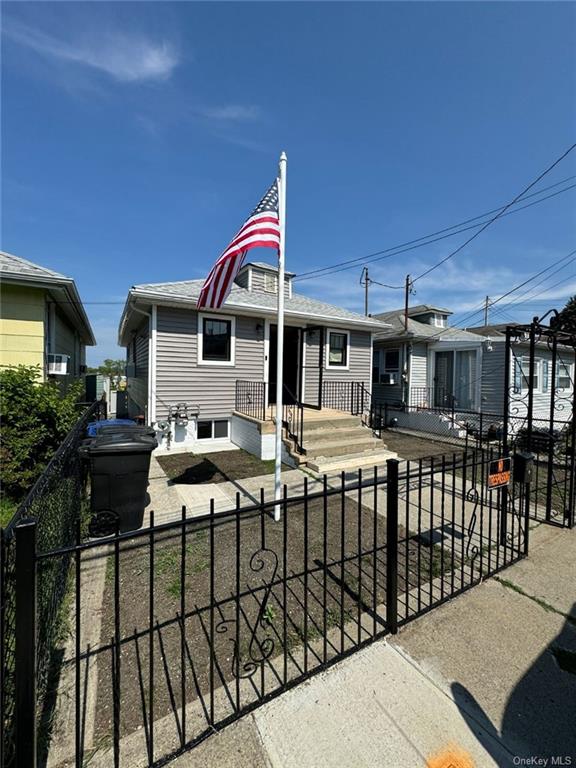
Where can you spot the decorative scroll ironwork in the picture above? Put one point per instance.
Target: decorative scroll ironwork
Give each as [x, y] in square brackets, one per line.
[473, 497]
[259, 649]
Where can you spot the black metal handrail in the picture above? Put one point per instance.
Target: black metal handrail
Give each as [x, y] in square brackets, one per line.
[293, 419]
[250, 399]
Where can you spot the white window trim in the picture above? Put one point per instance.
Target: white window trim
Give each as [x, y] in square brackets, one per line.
[525, 382]
[216, 363]
[568, 369]
[212, 438]
[336, 367]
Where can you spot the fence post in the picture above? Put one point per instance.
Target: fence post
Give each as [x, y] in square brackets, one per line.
[25, 646]
[392, 545]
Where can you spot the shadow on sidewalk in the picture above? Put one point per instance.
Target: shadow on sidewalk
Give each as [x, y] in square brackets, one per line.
[540, 714]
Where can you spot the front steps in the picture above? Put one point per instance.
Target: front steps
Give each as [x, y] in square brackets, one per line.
[337, 441]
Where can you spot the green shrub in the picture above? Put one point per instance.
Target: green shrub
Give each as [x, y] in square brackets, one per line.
[36, 416]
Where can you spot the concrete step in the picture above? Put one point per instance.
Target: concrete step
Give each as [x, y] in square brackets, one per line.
[322, 465]
[337, 447]
[339, 422]
[330, 435]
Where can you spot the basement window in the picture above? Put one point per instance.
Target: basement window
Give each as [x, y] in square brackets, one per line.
[212, 429]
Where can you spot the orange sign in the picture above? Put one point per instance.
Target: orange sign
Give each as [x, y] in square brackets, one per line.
[499, 472]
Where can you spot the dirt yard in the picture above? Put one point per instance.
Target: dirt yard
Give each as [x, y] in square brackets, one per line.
[412, 447]
[196, 468]
[328, 587]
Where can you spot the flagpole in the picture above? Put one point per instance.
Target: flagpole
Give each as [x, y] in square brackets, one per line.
[280, 331]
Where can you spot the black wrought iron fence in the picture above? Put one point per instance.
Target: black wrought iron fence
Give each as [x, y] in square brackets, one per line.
[203, 619]
[348, 396]
[55, 503]
[251, 399]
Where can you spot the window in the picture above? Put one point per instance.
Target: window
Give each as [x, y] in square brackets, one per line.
[270, 282]
[376, 367]
[337, 349]
[440, 321]
[563, 375]
[216, 340]
[212, 430]
[389, 367]
[522, 375]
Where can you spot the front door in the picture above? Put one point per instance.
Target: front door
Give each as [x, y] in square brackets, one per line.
[291, 364]
[443, 378]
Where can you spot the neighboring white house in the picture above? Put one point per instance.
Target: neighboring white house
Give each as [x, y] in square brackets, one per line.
[425, 367]
[425, 362]
[217, 369]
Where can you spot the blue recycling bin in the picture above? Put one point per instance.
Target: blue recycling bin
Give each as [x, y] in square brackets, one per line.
[95, 426]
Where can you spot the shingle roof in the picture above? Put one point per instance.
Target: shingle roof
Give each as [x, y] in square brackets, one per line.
[297, 305]
[15, 269]
[419, 330]
[15, 265]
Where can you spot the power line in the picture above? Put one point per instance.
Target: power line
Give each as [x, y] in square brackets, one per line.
[497, 216]
[420, 242]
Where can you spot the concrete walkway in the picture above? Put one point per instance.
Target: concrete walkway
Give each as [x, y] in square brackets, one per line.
[485, 680]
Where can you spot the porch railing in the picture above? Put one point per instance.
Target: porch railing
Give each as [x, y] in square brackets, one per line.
[251, 399]
[347, 396]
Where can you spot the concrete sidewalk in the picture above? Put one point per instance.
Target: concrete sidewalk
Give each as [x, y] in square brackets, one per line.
[484, 680]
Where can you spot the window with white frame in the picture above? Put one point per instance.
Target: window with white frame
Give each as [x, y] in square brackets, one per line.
[522, 381]
[440, 321]
[563, 375]
[216, 340]
[212, 429]
[338, 352]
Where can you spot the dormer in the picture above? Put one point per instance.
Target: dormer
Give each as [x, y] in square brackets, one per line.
[258, 277]
[430, 315]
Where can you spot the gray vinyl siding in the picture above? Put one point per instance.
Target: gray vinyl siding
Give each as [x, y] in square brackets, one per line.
[179, 378]
[312, 367]
[492, 385]
[242, 279]
[360, 362]
[259, 282]
[419, 366]
[137, 355]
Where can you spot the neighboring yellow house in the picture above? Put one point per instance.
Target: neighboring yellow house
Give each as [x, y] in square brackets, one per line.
[42, 319]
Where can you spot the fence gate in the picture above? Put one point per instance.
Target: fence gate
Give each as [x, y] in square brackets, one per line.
[540, 409]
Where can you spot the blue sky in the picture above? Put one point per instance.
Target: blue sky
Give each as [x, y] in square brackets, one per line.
[138, 136]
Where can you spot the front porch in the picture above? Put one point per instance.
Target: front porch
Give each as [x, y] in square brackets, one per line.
[335, 435]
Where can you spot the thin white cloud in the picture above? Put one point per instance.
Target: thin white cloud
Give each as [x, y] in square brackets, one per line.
[240, 113]
[126, 58]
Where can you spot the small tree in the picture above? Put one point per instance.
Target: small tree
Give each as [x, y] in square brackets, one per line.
[36, 416]
[568, 314]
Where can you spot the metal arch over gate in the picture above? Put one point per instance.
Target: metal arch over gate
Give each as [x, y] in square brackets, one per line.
[540, 411]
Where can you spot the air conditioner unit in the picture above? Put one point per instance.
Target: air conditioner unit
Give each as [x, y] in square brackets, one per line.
[58, 365]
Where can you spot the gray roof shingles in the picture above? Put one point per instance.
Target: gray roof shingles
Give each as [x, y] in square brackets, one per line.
[420, 330]
[17, 266]
[241, 297]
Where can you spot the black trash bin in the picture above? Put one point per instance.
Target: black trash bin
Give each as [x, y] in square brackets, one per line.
[119, 466]
[127, 430]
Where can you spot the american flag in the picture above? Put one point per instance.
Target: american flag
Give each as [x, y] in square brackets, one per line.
[261, 229]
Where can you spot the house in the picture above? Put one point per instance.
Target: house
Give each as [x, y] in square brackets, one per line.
[424, 362]
[205, 377]
[43, 321]
[547, 385]
[435, 377]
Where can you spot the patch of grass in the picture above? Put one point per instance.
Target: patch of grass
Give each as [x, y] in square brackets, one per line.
[542, 603]
[220, 467]
[7, 509]
[168, 561]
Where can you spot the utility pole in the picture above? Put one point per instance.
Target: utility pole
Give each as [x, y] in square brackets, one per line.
[406, 297]
[365, 281]
[486, 307]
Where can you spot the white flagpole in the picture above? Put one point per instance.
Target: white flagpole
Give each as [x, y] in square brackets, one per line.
[280, 331]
